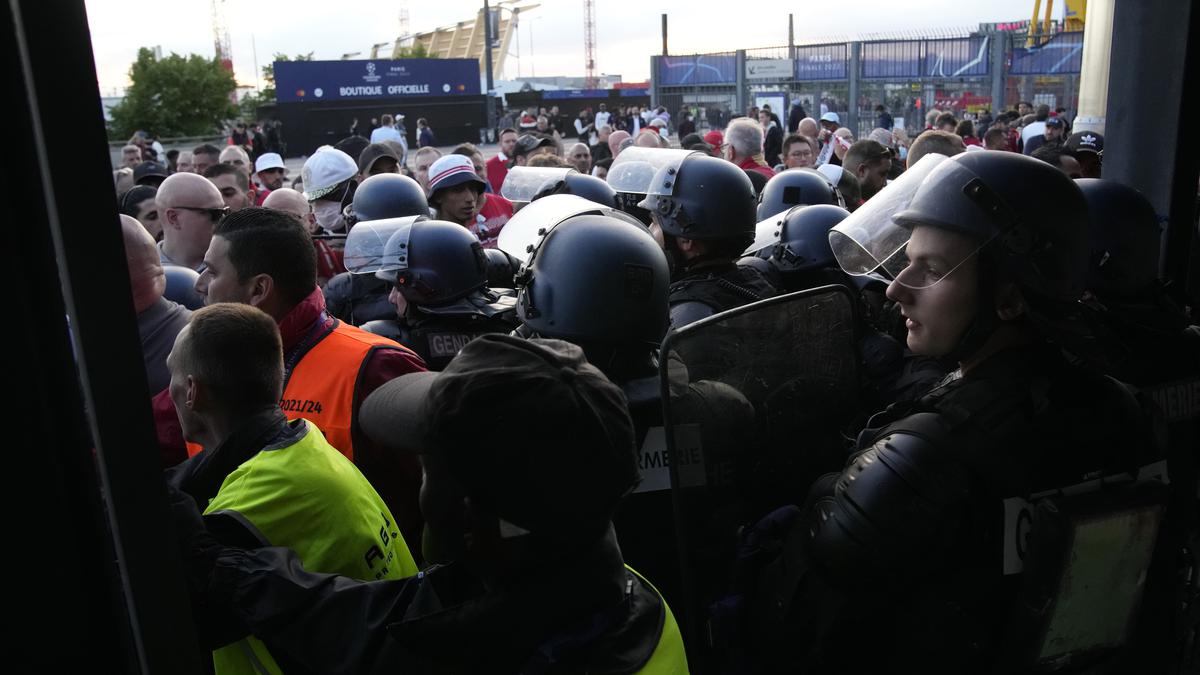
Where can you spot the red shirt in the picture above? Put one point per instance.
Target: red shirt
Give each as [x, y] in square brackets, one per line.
[751, 164]
[491, 219]
[497, 169]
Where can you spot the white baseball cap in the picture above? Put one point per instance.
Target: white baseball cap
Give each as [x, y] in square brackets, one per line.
[268, 160]
[831, 117]
[325, 170]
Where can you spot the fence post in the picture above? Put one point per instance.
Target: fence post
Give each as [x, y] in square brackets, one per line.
[742, 101]
[655, 93]
[855, 73]
[999, 52]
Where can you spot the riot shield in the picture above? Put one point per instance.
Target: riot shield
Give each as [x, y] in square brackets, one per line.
[755, 403]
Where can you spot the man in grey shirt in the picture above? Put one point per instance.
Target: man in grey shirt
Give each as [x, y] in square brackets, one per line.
[159, 320]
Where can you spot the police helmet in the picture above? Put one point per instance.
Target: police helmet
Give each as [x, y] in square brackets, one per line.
[389, 195]
[1033, 215]
[796, 187]
[703, 198]
[501, 268]
[596, 278]
[181, 286]
[581, 185]
[1125, 238]
[434, 262]
[804, 238]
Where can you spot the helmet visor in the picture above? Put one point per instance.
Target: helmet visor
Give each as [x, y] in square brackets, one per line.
[766, 232]
[523, 232]
[523, 183]
[366, 241]
[635, 170]
[869, 239]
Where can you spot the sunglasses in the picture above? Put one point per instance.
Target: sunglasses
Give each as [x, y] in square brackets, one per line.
[214, 214]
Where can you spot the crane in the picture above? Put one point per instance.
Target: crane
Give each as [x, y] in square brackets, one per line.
[589, 44]
[221, 46]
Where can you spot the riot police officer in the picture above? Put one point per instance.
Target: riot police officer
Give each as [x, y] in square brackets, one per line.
[703, 213]
[439, 273]
[796, 187]
[360, 298]
[600, 282]
[1150, 342]
[581, 185]
[926, 532]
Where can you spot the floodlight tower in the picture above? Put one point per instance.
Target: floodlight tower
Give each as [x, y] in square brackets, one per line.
[589, 44]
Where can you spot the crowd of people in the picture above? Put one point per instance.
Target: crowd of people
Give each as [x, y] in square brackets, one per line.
[403, 407]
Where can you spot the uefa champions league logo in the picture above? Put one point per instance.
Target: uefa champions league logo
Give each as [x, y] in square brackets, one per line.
[370, 76]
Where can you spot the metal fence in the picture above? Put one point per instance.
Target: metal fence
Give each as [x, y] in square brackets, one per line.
[952, 70]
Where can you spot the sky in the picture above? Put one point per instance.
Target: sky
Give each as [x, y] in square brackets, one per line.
[550, 36]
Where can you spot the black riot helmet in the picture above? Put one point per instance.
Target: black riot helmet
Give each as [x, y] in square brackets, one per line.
[796, 187]
[703, 198]
[389, 195]
[181, 286]
[804, 238]
[434, 262]
[1031, 215]
[581, 185]
[1125, 238]
[501, 268]
[596, 279]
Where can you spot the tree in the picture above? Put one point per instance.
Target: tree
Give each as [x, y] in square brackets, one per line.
[266, 96]
[174, 96]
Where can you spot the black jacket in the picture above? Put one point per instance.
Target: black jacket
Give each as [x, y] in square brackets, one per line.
[586, 614]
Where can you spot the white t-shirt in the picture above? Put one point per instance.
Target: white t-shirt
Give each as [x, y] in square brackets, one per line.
[601, 119]
[1034, 129]
[386, 134]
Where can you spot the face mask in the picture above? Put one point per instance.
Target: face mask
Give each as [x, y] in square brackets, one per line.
[329, 215]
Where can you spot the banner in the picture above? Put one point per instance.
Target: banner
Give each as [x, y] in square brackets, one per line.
[769, 69]
[1061, 55]
[300, 81]
[821, 62]
[574, 93]
[702, 69]
[961, 57]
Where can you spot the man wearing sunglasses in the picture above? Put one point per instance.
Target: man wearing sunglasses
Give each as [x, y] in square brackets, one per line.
[189, 206]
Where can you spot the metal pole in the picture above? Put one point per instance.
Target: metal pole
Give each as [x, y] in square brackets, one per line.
[791, 38]
[487, 59]
[664, 33]
[999, 50]
[740, 98]
[855, 71]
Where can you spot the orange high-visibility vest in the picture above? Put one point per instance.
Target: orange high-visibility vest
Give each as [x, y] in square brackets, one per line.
[320, 387]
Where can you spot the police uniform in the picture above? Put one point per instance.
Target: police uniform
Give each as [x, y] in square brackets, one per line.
[437, 338]
[713, 286]
[912, 533]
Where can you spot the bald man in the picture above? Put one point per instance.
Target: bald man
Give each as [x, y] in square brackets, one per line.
[614, 141]
[293, 202]
[809, 127]
[159, 320]
[648, 139]
[580, 157]
[188, 207]
[235, 155]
